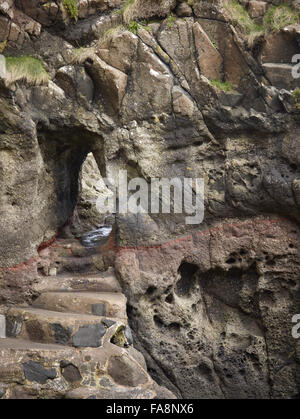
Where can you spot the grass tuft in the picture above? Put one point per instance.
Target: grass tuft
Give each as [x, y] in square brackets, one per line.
[26, 68]
[277, 17]
[133, 27]
[80, 55]
[240, 17]
[296, 94]
[72, 8]
[225, 86]
[128, 11]
[2, 46]
[171, 19]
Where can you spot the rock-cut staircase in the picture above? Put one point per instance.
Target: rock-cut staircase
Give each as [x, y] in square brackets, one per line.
[73, 341]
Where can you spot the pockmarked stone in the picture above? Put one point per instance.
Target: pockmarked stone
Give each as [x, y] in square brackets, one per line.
[99, 309]
[89, 336]
[34, 371]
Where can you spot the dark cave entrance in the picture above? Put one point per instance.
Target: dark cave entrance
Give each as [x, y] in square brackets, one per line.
[187, 279]
[69, 157]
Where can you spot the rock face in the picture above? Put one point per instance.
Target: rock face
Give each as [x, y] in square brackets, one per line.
[210, 305]
[91, 187]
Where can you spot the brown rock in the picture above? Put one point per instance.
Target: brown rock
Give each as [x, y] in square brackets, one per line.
[257, 8]
[4, 28]
[14, 32]
[111, 82]
[209, 59]
[278, 48]
[145, 9]
[126, 372]
[182, 104]
[184, 10]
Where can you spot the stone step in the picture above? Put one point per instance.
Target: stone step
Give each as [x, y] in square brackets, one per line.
[37, 370]
[101, 282]
[71, 329]
[76, 264]
[13, 344]
[99, 304]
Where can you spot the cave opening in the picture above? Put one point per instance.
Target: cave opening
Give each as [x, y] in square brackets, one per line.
[72, 165]
[187, 279]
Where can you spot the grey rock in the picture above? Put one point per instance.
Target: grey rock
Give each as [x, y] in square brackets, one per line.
[70, 372]
[89, 336]
[105, 382]
[2, 326]
[34, 371]
[231, 99]
[75, 82]
[280, 75]
[108, 323]
[99, 309]
[13, 327]
[128, 335]
[184, 10]
[287, 100]
[62, 334]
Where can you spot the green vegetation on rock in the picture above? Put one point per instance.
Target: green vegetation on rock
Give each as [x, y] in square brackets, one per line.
[277, 17]
[127, 11]
[72, 8]
[296, 94]
[240, 17]
[26, 68]
[134, 27]
[80, 55]
[2, 46]
[225, 86]
[171, 19]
